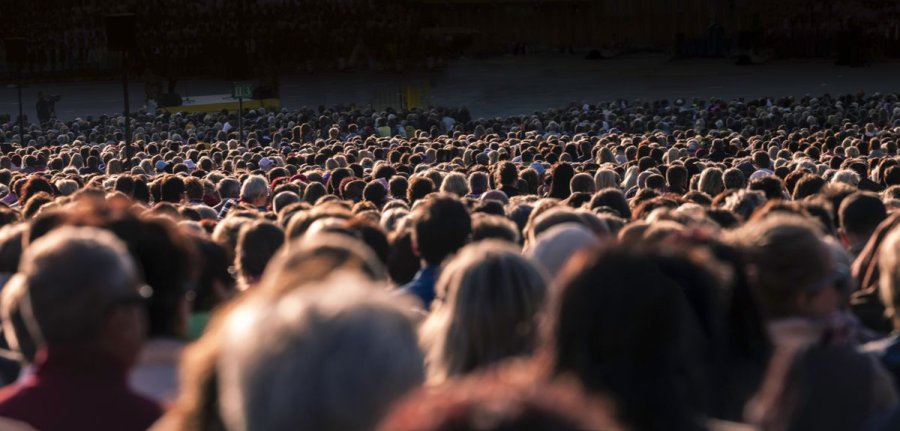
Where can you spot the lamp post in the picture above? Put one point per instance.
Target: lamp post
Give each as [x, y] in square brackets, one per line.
[120, 36]
[15, 53]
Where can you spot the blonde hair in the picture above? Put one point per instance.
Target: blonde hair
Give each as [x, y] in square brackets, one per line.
[606, 178]
[455, 183]
[487, 300]
[711, 182]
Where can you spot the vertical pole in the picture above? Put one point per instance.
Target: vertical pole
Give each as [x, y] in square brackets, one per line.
[125, 93]
[241, 120]
[21, 116]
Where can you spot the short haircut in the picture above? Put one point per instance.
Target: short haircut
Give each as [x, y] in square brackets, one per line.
[506, 174]
[70, 274]
[582, 183]
[254, 187]
[455, 183]
[473, 326]
[229, 188]
[489, 226]
[861, 213]
[419, 187]
[441, 226]
[257, 243]
[172, 189]
[478, 182]
[279, 367]
[789, 256]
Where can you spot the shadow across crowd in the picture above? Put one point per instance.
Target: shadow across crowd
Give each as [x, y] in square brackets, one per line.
[705, 264]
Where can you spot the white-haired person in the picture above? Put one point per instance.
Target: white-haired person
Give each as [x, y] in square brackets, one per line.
[332, 356]
[255, 192]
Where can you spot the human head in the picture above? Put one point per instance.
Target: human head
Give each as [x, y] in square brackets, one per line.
[70, 274]
[255, 191]
[441, 226]
[582, 183]
[257, 243]
[642, 365]
[859, 215]
[172, 189]
[514, 399]
[488, 297]
[279, 369]
[456, 184]
[795, 273]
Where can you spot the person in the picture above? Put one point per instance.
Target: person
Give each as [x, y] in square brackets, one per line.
[730, 209]
[514, 398]
[257, 242]
[859, 215]
[507, 177]
[46, 107]
[643, 366]
[255, 192]
[441, 226]
[887, 349]
[488, 300]
[84, 355]
[278, 358]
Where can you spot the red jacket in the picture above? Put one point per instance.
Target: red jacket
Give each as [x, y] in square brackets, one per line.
[77, 389]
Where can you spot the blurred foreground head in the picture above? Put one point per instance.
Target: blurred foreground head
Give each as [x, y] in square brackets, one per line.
[506, 399]
[330, 356]
[70, 274]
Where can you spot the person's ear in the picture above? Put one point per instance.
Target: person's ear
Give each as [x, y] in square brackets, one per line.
[845, 240]
[415, 247]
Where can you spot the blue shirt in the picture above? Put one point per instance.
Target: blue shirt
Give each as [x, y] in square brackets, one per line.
[422, 285]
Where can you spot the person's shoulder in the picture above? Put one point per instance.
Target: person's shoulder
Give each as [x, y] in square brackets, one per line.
[886, 348]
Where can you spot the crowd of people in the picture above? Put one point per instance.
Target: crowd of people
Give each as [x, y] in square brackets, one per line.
[197, 37]
[679, 265]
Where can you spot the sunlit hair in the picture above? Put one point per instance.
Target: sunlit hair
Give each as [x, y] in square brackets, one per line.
[456, 184]
[889, 272]
[711, 181]
[69, 274]
[606, 178]
[513, 397]
[846, 176]
[488, 298]
[312, 257]
[330, 356]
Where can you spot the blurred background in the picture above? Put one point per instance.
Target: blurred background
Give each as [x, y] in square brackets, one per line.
[497, 57]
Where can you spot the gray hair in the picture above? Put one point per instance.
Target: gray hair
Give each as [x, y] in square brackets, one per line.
[67, 187]
[744, 202]
[846, 176]
[70, 274]
[456, 184]
[254, 188]
[332, 356]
